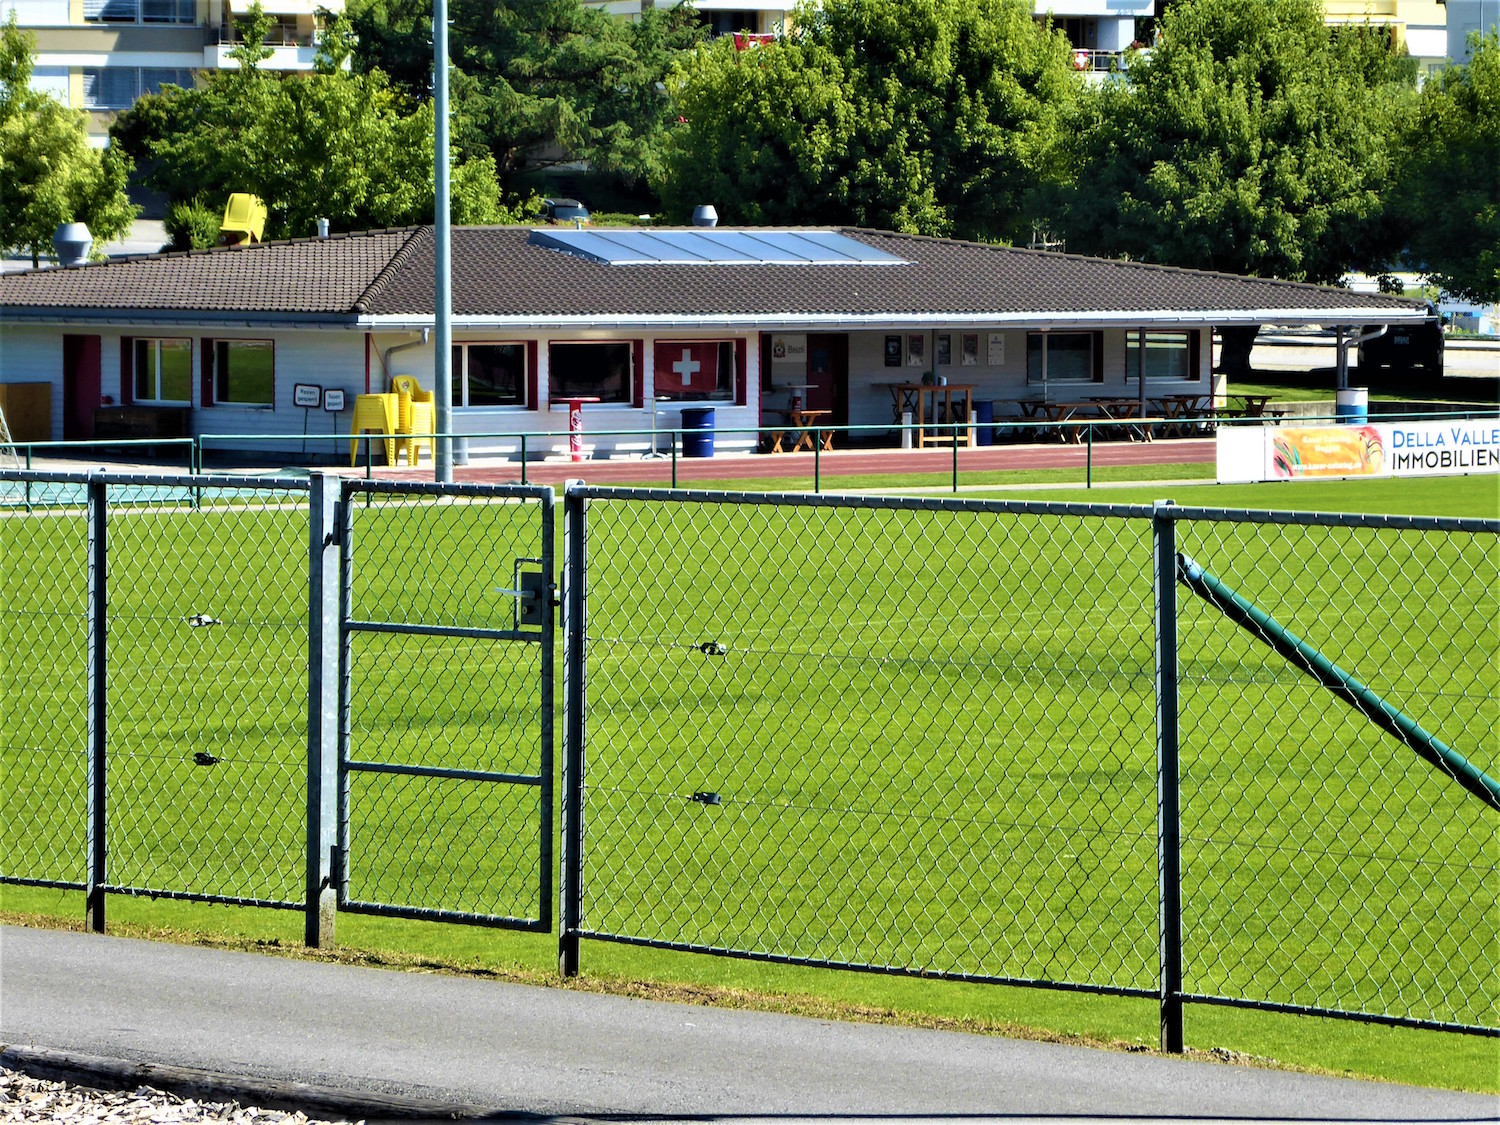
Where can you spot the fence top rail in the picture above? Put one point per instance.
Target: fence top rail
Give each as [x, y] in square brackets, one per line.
[165, 480]
[1335, 519]
[543, 492]
[835, 500]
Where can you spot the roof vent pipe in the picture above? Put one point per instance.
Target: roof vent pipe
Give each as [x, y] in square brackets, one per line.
[322, 228]
[704, 215]
[72, 242]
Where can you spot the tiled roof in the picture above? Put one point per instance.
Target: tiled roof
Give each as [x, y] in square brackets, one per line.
[305, 275]
[500, 272]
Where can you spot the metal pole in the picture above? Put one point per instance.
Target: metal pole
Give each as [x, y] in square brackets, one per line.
[1168, 806]
[324, 587]
[442, 235]
[346, 692]
[523, 458]
[1088, 472]
[674, 458]
[817, 460]
[98, 624]
[575, 605]
[955, 450]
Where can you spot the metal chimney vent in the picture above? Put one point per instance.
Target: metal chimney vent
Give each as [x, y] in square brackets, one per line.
[72, 242]
[704, 215]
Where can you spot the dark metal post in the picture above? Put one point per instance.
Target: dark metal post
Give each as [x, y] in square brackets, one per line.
[1088, 472]
[955, 456]
[346, 681]
[547, 829]
[323, 598]
[817, 460]
[1168, 814]
[574, 607]
[523, 458]
[674, 458]
[95, 873]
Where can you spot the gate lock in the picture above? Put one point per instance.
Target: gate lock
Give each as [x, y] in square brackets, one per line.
[531, 593]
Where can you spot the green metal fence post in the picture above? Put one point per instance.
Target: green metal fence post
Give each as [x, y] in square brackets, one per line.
[1168, 804]
[674, 458]
[570, 895]
[955, 457]
[817, 460]
[1088, 472]
[28, 483]
[523, 458]
[98, 711]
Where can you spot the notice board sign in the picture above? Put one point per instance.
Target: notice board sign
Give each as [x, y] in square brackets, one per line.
[307, 395]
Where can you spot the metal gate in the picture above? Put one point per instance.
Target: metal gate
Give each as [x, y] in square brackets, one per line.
[446, 614]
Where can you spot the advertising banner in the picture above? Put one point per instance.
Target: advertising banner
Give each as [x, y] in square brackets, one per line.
[1377, 449]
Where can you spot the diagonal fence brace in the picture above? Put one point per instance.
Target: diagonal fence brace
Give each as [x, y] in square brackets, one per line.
[1304, 656]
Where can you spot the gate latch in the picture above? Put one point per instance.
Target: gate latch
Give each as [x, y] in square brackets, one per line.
[532, 595]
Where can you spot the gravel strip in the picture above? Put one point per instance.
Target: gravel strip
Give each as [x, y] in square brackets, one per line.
[34, 1099]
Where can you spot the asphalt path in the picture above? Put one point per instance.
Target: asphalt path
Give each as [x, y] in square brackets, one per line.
[502, 1050]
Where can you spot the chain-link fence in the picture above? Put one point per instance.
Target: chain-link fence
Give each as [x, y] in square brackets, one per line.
[923, 737]
[446, 779]
[1210, 757]
[154, 685]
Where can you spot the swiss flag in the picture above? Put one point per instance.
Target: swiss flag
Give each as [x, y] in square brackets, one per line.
[683, 368]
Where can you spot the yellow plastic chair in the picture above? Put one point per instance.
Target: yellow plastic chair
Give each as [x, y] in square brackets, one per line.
[417, 415]
[378, 413]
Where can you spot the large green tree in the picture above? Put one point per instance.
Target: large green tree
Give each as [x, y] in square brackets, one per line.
[538, 81]
[1449, 196]
[929, 116]
[49, 174]
[1252, 139]
[329, 144]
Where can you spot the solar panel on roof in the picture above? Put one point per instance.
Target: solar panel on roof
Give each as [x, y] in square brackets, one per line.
[711, 246]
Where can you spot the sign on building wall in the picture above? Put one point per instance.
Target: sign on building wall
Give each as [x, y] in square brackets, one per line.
[1379, 449]
[788, 349]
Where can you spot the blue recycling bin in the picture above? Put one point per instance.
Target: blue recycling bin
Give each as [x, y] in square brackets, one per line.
[698, 432]
[1352, 407]
[984, 414]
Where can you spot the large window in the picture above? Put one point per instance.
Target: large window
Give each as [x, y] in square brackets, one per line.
[1161, 355]
[164, 371]
[489, 375]
[1071, 357]
[245, 372]
[601, 371]
[140, 11]
[695, 371]
[117, 87]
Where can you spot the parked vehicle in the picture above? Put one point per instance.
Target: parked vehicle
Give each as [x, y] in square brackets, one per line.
[1405, 347]
[564, 211]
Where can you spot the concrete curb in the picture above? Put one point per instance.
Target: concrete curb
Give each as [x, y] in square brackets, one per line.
[265, 1093]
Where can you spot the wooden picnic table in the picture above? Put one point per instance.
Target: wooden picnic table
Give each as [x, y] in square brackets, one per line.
[1183, 412]
[936, 408]
[802, 423]
[1250, 406]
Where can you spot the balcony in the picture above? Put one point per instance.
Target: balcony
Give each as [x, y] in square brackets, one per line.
[290, 49]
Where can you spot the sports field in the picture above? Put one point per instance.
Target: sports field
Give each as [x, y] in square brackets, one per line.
[929, 739]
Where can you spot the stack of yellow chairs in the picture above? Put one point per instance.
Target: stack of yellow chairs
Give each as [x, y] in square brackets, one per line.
[380, 413]
[416, 416]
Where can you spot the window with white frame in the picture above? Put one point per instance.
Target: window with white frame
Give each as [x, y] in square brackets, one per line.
[244, 373]
[1063, 357]
[1161, 355]
[117, 87]
[163, 371]
[604, 371]
[489, 375]
[140, 11]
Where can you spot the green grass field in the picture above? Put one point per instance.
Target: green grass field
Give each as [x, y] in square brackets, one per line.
[931, 738]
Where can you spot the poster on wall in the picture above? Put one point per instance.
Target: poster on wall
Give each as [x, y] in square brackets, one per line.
[788, 349]
[970, 349]
[1371, 450]
[916, 348]
[945, 351]
[997, 349]
[893, 351]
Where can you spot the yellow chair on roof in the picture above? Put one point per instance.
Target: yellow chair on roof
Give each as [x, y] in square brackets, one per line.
[380, 413]
[417, 415]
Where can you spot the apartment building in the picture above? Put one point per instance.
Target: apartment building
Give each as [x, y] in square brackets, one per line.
[100, 55]
[1466, 17]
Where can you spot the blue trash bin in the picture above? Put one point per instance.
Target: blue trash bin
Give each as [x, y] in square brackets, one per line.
[698, 432]
[984, 414]
[1352, 407]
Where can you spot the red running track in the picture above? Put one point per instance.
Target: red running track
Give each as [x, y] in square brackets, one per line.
[835, 464]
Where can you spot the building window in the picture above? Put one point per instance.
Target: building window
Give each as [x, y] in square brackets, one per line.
[140, 11]
[1072, 357]
[164, 372]
[1161, 355]
[489, 375]
[244, 372]
[695, 370]
[117, 87]
[602, 371]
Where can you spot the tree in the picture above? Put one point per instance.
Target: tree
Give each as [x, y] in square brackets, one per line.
[1252, 140]
[1449, 195]
[49, 174]
[328, 144]
[930, 116]
[537, 81]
